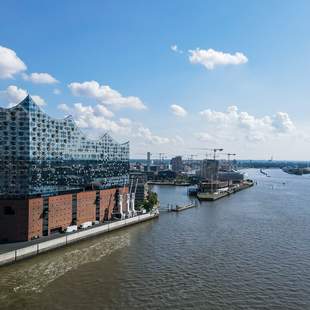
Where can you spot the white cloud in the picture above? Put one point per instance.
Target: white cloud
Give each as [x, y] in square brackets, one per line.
[177, 140]
[104, 94]
[38, 100]
[178, 110]
[150, 137]
[96, 123]
[204, 137]
[176, 49]
[102, 110]
[64, 108]
[14, 95]
[56, 91]
[125, 121]
[283, 123]
[10, 63]
[211, 58]
[39, 78]
[93, 119]
[233, 124]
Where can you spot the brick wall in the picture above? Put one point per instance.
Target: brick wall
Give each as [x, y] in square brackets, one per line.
[35, 217]
[86, 207]
[21, 220]
[107, 203]
[60, 212]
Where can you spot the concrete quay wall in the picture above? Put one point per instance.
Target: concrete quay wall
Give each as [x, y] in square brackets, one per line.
[43, 246]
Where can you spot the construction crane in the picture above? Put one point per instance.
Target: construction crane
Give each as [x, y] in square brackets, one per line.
[214, 176]
[214, 150]
[191, 156]
[161, 156]
[228, 159]
[228, 155]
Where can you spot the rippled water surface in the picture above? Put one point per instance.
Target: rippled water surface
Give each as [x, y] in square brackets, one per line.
[248, 251]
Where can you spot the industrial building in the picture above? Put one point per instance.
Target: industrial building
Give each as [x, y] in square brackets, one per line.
[53, 176]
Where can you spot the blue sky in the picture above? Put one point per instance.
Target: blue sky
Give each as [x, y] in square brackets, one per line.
[126, 45]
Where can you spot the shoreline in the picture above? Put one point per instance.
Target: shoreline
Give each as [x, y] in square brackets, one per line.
[167, 183]
[23, 252]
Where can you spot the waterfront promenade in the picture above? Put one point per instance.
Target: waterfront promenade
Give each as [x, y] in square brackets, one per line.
[10, 253]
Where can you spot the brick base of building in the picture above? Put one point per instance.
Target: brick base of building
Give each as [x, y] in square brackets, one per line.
[26, 219]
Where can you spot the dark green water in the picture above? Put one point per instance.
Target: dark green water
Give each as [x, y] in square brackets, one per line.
[248, 251]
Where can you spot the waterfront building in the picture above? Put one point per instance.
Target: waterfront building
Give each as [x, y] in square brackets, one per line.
[234, 176]
[177, 164]
[209, 169]
[52, 175]
[165, 175]
[148, 161]
[213, 186]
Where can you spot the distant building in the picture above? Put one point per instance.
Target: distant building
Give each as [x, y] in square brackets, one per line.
[177, 164]
[152, 168]
[209, 169]
[148, 161]
[53, 176]
[166, 175]
[212, 186]
[234, 176]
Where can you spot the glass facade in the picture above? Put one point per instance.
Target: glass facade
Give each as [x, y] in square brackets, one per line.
[43, 155]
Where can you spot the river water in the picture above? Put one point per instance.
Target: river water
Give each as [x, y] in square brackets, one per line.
[247, 251]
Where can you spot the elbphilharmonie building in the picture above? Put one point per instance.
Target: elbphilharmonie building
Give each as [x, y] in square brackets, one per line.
[52, 175]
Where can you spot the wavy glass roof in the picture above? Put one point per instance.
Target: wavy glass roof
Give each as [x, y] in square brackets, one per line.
[62, 138]
[40, 154]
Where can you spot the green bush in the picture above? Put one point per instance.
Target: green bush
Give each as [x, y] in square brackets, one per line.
[149, 203]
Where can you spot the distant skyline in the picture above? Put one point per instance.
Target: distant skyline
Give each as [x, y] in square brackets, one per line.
[169, 76]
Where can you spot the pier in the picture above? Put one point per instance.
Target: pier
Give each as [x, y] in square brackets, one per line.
[182, 208]
[212, 196]
[169, 183]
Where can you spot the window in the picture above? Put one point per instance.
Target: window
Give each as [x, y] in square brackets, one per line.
[8, 210]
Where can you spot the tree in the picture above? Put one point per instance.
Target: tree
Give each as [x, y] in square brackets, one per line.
[149, 203]
[152, 198]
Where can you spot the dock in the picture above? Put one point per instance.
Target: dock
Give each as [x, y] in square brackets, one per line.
[208, 196]
[169, 183]
[182, 208]
[14, 252]
[212, 196]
